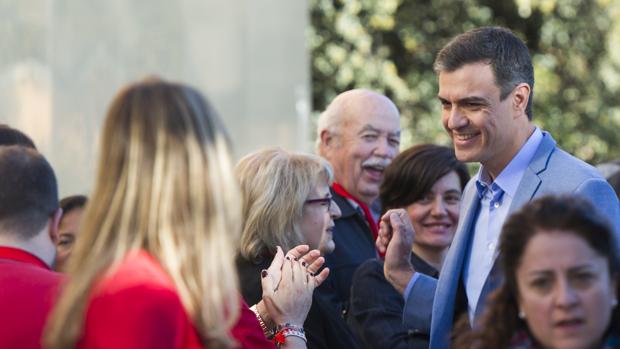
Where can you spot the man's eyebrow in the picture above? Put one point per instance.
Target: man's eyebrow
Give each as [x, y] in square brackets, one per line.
[370, 128]
[466, 100]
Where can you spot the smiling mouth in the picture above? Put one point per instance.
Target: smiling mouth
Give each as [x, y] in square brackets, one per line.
[446, 225]
[373, 173]
[465, 136]
[374, 168]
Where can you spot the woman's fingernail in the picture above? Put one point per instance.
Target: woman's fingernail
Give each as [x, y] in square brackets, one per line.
[288, 258]
[263, 273]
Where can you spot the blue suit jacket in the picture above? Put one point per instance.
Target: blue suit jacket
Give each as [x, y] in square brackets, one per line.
[551, 171]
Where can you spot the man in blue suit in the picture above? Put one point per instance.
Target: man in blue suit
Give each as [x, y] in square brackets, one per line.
[486, 82]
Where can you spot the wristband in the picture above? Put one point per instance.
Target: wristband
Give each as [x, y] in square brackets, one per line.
[287, 330]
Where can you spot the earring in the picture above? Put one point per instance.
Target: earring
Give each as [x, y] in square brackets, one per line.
[521, 314]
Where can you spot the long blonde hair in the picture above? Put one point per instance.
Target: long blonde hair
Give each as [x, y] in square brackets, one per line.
[165, 185]
[275, 185]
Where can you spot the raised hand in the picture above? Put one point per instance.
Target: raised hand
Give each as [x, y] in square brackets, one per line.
[395, 239]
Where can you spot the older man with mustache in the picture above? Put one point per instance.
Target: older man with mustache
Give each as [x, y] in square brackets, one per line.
[359, 134]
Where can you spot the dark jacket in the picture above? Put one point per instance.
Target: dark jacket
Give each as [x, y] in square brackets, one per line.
[354, 246]
[376, 308]
[325, 329]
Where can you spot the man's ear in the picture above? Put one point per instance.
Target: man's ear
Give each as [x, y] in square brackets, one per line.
[54, 224]
[520, 97]
[328, 139]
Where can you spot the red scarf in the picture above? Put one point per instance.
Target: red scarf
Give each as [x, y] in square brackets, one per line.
[371, 220]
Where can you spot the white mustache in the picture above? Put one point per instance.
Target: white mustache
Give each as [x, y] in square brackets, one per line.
[377, 162]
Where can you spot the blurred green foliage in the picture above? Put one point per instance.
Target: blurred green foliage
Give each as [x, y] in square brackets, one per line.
[390, 45]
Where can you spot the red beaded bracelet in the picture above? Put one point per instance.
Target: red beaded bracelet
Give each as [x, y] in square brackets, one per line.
[286, 330]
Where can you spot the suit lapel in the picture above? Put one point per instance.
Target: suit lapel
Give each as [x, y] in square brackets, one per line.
[531, 181]
[445, 295]
[529, 186]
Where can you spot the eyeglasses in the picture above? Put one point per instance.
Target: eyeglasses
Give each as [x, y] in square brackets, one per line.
[322, 201]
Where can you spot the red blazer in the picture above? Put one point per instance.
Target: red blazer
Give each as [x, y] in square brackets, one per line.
[137, 306]
[27, 291]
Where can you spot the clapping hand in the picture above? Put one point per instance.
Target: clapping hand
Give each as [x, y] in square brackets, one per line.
[289, 282]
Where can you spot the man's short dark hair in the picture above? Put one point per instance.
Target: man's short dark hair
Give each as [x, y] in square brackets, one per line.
[28, 191]
[13, 136]
[507, 55]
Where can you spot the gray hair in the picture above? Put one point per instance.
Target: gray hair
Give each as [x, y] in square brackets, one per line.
[275, 185]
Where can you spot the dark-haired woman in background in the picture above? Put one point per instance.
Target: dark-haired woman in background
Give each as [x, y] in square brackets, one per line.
[560, 288]
[69, 228]
[427, 180]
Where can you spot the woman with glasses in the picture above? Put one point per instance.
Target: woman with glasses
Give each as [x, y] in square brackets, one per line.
[287, 202]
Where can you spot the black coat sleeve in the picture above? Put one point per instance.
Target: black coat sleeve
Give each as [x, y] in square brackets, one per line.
[376, 312]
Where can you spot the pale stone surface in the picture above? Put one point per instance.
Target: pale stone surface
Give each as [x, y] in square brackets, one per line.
[62, 61]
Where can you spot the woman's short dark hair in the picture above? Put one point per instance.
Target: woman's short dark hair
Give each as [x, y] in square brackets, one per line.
[567, 213]
[412, 174]
[72, 202]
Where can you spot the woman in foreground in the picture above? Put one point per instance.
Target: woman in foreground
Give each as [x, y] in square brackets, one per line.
[561, 269]
[154, 265]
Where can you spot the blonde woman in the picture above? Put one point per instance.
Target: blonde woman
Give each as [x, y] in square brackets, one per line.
[154, 265]
[287, 202]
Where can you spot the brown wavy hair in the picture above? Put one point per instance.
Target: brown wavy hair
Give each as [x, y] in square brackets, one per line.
[567, 213]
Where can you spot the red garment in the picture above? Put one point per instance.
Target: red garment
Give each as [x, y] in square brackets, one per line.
[27, 291]
[137, 306]
[371, 220]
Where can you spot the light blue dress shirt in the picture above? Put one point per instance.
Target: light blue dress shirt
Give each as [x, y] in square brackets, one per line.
[495, 199]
